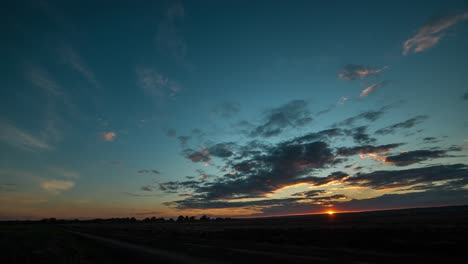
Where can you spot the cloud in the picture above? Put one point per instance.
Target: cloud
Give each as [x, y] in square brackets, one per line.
[171, 132]
[368, 149]
[278, 167]
[415, 156]
[74, 60]
[465, 97]
[169, 40]
[183, 140]
[222, 150]
[18, 138]
[430, 140]
[56, 186]
[310, 193]
[378, 180]
[7, 187]
[402, 125]
[148, 171]
[352, 71]
[367, 116]
[321, 135]
[431, 33]
[372, 88]
[109, 136]
[291, 115]
[360, 136]
[408, 200]
[147, 188]
[140, 195]
[42, 79]
[202, 155]
[156, 84]
[193, 203]
[226, 109]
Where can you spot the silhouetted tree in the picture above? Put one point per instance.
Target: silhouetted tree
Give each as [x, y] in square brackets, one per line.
[204, 218]
[180, 218]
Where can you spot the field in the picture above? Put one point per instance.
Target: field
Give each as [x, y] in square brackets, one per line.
[399, 236]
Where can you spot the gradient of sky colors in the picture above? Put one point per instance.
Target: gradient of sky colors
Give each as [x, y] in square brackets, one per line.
[231, 108]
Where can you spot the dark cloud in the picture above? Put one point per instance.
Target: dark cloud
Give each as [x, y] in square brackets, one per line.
[147, 188]
[202, 155]
[183, 140]
[291, 115]
[226, 109]
[360, 136]
[7, 187]
[465, 96]
[139, 195]
[197, 204]
[415, 156]
[171, 132]
[321, 135]
[400, 178]
[408, 200]
[148, 171]
[276, 167]
[370, 116]
[430, 139]
[367, 149]
[196, 131]
[310, 193]
[402, 125]
[222, 150]
[352, 72]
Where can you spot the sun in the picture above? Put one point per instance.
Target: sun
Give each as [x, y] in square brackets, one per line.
[330, 212]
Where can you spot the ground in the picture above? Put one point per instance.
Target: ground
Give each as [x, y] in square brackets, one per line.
[414, 235]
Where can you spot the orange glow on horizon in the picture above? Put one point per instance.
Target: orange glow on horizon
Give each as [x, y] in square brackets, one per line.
[330, 212]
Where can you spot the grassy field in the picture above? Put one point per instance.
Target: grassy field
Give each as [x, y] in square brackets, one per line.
[402, 236]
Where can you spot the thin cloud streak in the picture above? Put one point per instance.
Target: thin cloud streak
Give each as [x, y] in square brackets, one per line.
[21, 139]
[57, 186]
[74, 60]
[431, 33]
[372, 88]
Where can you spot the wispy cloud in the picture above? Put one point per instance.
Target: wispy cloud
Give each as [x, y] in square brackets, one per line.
[352, 72]
[402, 125]
[431, 33]
[290, 115]
[65, 173]
[372, 88]
[18, 138]
[71, 57]
[57, 186]
[154, 83]
[109, 136]
[41, 78]
[170, 42]
[226, 109]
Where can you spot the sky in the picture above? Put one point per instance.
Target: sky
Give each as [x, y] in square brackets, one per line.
[231, 108]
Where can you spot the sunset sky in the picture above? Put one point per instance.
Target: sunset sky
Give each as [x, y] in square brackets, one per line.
[231, 108]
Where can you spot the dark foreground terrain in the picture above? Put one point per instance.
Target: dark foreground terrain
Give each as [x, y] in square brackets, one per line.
[436, 235]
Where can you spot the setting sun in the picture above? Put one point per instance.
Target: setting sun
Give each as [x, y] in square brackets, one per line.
[330, 212]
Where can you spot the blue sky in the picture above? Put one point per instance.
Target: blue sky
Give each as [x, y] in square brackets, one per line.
[231, 108]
